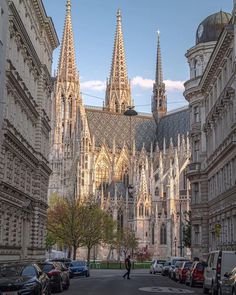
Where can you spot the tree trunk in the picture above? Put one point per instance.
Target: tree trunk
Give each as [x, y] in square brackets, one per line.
[88, 256]
[74, 253]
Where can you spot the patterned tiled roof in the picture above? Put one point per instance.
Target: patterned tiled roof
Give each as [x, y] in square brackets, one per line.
[107, 125]
[174, 123]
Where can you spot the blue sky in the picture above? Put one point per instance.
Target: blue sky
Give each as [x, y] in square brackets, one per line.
[94, 23]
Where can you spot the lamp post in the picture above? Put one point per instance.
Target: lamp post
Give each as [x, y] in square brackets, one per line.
[175, 241]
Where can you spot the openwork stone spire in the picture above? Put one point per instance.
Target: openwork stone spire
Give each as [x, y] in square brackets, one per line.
[67, 70]
[118, 95]
[159, 106]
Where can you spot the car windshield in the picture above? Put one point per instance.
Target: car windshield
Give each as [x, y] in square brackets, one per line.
[167, 263]
[46, 267]
[17, 270]
[78, 263]
[187, 264]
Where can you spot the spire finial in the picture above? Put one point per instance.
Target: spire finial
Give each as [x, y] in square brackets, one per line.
[118, 15]
[68, 6]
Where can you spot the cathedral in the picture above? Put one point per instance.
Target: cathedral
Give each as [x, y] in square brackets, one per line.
[133, 163]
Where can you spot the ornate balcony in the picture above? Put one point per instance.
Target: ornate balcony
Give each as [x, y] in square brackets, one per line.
[193, 168]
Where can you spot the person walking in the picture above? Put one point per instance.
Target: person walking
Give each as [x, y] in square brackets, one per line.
[128, 267]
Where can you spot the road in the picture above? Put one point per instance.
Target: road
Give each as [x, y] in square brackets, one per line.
[110, 282]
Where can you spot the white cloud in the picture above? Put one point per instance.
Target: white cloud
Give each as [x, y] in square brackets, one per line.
[171, 85]
[174, 85]
[142, 82]
[94, 85]
[138, 81]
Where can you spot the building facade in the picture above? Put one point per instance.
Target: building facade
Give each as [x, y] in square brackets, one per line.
[212, 172]
[24, 168]
[134, 166]
[3, 47]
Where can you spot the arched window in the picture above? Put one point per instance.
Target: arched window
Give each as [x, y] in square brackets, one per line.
[126, 178]
[146, 211]
[153, 234]
[160, 102]
[141, 210]
[120, 219]
[102, 173]
[163, 234]
[117, 106]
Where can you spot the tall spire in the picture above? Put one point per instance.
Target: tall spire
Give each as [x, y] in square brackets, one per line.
[159, 74]
[118, 95]
[67, 70]
[159, 107]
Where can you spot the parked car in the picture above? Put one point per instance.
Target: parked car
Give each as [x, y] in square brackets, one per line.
[79, 268]
[228, 283]
[175, 270]
[58, 275]
[157, 266]
[181, 274]
[195, 274]
[65, 261]
[173, 263]
[23, 279]
[218, 264]
[165, 269]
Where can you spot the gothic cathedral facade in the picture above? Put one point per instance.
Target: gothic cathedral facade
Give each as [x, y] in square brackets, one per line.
[134, 165]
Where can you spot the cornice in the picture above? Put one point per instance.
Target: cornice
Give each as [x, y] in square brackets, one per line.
[18, 27]
[46, 22]
[217, 56]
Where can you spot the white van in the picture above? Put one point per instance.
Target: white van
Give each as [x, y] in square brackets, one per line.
[218, 264]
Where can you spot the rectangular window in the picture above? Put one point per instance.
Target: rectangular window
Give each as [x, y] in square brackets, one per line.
[195, 191]
[196, 151]
[196, 114]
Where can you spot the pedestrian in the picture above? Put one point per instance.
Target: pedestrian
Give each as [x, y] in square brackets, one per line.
[128, 267]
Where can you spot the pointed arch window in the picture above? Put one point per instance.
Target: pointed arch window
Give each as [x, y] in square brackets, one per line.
[163, 234]
[141, 210]
[153, 234]
[102, 173]
[117, 106]
[146, 211]
[120, 219]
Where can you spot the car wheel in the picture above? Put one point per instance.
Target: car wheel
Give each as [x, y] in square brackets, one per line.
[60, 287]
[67, 284]
[213, 291]
[191, 283]
[205, 290]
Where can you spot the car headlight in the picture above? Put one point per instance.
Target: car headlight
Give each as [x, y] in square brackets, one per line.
[30, 285]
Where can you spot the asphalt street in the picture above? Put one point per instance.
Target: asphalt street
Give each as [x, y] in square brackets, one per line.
[110, 282]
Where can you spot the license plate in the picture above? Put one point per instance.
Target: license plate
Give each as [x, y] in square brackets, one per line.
[9, 293]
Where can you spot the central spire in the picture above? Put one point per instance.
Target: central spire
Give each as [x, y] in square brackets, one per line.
[67, 70]
[159, 107]
[118, 95]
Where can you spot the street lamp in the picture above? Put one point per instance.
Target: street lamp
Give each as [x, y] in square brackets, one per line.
[175, 241]
[130, 112]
